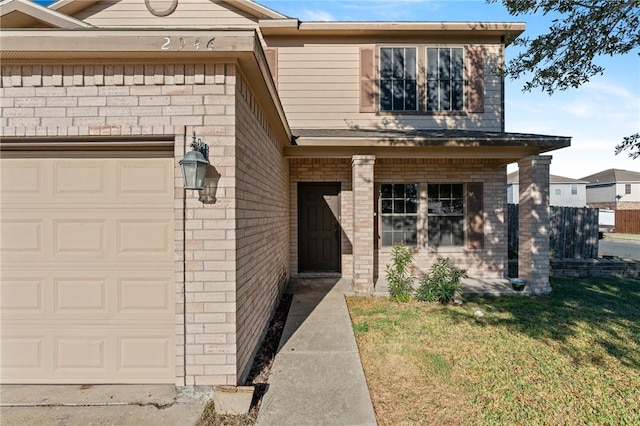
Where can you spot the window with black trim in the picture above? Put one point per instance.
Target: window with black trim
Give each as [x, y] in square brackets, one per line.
[399, 211]
[445, 214]
[398, 79]
[445, 79]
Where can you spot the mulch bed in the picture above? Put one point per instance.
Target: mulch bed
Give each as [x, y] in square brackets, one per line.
[259, 374]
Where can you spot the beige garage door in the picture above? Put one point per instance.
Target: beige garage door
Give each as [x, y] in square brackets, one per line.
[87, 270]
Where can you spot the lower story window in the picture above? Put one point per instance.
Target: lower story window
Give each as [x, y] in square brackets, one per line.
[445, 214]
[399, 213]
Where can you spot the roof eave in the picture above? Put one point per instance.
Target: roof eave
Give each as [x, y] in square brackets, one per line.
[289, 27]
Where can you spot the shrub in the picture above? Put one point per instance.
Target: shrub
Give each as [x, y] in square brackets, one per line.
[442, 282]
[399, 274]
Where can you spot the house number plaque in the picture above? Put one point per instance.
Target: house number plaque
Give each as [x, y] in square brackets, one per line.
[187, 43]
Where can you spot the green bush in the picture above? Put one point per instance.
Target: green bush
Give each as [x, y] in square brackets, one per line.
[399, 274]
[442, 282]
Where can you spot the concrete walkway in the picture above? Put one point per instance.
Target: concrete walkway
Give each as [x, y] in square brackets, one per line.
[317, 377]
[71, 405]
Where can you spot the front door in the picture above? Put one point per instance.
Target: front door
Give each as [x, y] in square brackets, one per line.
[319, 227]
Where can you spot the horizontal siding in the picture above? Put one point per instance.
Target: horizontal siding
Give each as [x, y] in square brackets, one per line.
[188, 14]
[319, 87]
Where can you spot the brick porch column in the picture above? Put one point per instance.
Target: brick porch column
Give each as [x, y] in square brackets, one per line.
[533, 219]
[363, 230]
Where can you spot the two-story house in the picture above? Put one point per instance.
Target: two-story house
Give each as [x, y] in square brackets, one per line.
[563, 191]
[614, 189]
[328, 143]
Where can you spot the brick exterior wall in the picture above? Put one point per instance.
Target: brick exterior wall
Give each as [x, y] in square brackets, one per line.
[323, 170]
[262, 215]
[617, 205]
[533, 222]
[212, 251]
[489, 262]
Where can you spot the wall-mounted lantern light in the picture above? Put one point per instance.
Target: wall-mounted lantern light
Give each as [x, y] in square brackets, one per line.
[194, 164]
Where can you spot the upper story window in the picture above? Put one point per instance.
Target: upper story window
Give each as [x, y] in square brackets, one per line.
[445, 79]
[398, 79]
[558, 191]
[574, 189]
[627, 188]
[422, 79]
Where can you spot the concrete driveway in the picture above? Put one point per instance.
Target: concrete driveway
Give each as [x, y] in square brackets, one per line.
[72, 405]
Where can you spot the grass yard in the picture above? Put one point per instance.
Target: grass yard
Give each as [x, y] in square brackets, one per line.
[569, 358]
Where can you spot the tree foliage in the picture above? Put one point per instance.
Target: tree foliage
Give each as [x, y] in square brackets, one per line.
[565, 56]
[632, 143]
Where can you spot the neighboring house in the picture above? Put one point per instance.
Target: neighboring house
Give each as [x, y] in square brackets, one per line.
[329, 142]
[564, 191]
[614, 189]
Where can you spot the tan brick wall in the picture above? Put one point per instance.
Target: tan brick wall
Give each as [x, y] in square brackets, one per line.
[489, 262]
[262, 215]
[153, 100]
[323, 170]
[363, 223]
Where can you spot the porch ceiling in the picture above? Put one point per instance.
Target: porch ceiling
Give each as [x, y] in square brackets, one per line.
[429, 143]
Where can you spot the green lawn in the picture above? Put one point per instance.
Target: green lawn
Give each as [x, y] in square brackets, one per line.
[569, 358]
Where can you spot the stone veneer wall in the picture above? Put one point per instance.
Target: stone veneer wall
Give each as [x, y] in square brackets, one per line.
[262, 216]
[146, 101]
[489, 262]
[323, 170]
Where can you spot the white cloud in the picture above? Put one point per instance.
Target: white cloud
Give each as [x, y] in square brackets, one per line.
[315, 15]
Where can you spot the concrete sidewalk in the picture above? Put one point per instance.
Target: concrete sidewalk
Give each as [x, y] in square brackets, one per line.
[71, 405]
[317, 377]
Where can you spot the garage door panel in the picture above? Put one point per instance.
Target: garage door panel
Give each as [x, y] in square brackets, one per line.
[124, 297]
[21, 236]
[22, 179]
[23, 296]
[87, 277]
[143, 180]
[80, 355]
[85, 179]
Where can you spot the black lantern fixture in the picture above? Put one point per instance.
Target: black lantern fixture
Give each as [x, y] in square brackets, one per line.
[194, 164]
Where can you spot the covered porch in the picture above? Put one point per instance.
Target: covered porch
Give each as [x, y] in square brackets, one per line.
[454, 203]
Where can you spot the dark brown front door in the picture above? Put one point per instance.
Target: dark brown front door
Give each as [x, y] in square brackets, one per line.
[318, 227]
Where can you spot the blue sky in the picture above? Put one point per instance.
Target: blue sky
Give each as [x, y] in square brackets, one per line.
[597, 115]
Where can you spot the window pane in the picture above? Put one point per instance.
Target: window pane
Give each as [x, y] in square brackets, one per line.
[411, 206]
[445, 64]
[387, 238]
[410, 64]
[386, 63]
[457, 191]
[457, 63]
[398, 63]
[398, 237]
[411, 95]
[457, 96]
[386, 96]
[445, 191]
[457, 207]
[398, 190]
[386, 190]
[433, 191]
[387, 223]
[432, 95]
[398, 95]
[444, 93]
[387, 206]
[398, 206]
[432, 63]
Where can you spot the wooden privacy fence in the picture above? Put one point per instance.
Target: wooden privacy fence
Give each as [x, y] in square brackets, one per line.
[573, 232]
[628, 221]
